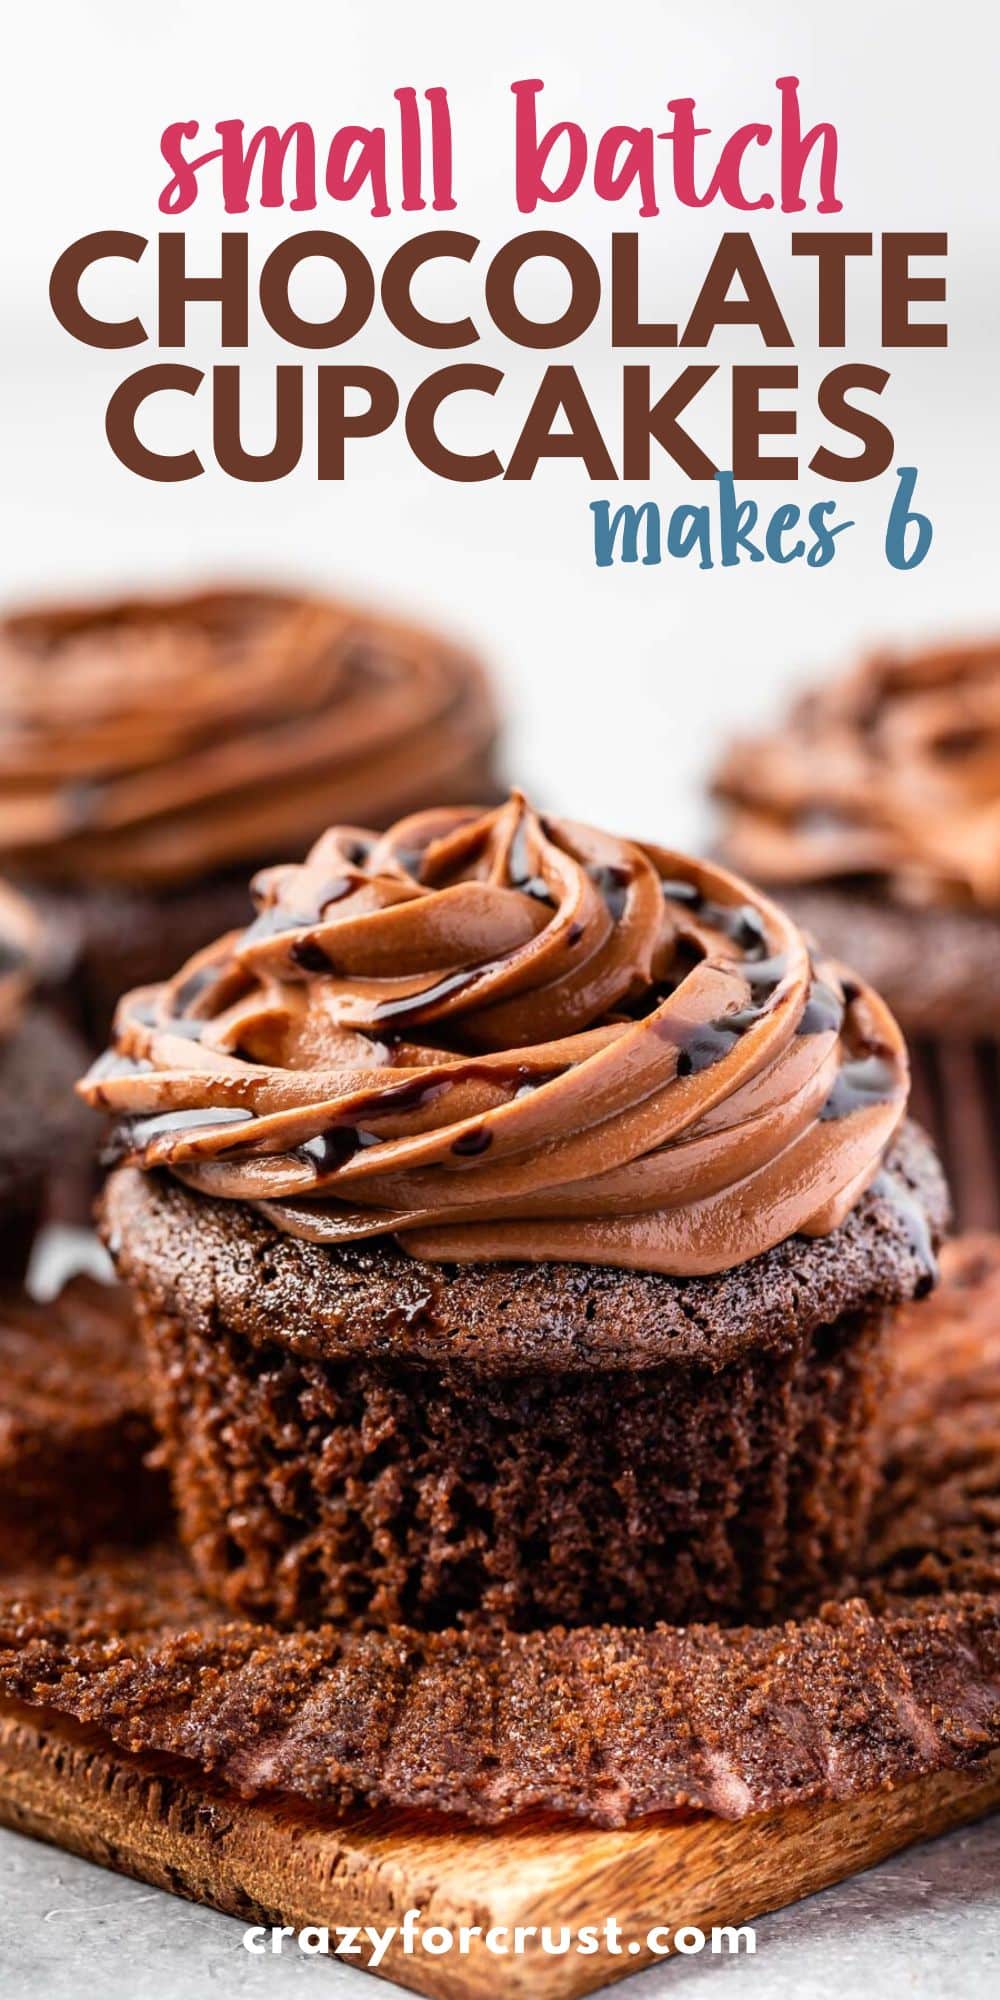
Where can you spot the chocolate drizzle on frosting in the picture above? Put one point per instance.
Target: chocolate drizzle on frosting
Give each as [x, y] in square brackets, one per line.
[148, 742]
[891, 775]
[678, 1093]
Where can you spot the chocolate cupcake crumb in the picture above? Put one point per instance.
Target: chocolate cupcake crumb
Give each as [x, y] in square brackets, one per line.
[75, 1428]
[359, 1435]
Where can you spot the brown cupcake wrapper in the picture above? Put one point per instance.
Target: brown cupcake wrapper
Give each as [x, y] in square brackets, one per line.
[604, 1724]
[375, 1493]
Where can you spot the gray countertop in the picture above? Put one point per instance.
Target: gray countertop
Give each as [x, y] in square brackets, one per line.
[928, 1921]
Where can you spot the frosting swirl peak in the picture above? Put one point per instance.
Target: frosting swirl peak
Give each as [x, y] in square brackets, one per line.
[891, 774]
[150, 741]
[496, 1035]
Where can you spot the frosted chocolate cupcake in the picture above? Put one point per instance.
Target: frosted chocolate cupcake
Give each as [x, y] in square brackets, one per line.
[154, 751]
[41, 1127]
[874, 813]
[513, 1213]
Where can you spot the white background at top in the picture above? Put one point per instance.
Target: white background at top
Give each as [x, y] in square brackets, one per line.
[618, 683]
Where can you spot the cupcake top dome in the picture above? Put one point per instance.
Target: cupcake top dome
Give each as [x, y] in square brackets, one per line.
[890, 776]
[148, 741]
[500, 1035]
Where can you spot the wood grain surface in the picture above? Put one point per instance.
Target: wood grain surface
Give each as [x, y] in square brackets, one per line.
[267, 1862]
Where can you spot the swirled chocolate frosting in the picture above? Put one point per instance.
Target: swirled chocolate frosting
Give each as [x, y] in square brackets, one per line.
[149, 741]
[20, 951]
[891, 774]
[494, 1035]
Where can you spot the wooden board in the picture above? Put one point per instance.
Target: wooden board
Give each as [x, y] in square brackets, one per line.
[273, 1863]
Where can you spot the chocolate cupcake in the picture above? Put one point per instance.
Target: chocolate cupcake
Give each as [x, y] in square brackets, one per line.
[155, 751]
[42, 1127]
[514, 1214]
[75, 1432]
[874, 814]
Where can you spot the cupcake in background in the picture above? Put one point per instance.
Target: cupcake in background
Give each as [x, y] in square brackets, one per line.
[42, 1134]
[155, 751]
[873, 812]
[515, 1215]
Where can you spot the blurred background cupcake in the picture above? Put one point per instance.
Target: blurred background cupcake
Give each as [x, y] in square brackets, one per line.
[874, 810]
[155, 750]
[42, 1133]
